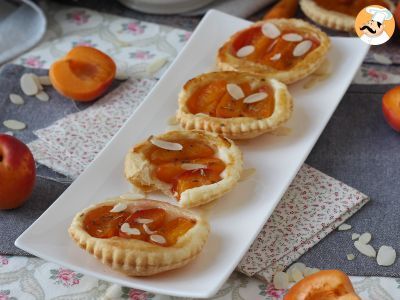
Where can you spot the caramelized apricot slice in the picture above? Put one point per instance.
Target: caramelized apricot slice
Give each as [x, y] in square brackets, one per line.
[156, 215]
[194, 179]
[205, 99]
[101, 223]
[191, 149]
[169, 172]
[176, 228]
[228, 107]
[84, 74]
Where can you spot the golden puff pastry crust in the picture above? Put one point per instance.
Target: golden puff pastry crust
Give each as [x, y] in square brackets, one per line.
[227, 61]
[140, 171]
[139, 258]
[237, 127]
[330, 18]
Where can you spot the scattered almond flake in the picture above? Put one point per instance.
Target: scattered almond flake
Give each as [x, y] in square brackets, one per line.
[235, 91]
[37, 82]
[247, 173]
[270, 30]
[298, 266]
[292, 37]
[386, 256]
[309, 271]
[355, 236]
[119, 207]
[172, 121]
[296, 274]
[131, 196]
[256, 97]
[16, 99]
[14, 124]
[42, 96]
[148, 230]
[382, 59]
[281, 131]
[276, 57]
[156, 65]
[367, 250]
[143, 221]
[365, 238]
[281, 281]
[302, 48]
[344, 227]
[9, 133]
[44, 80]
[244, 51]
[159, 239]
[166, 145]
[128, 230]
[350, 256]
[190, 167]
[28, 85]
[121, 75]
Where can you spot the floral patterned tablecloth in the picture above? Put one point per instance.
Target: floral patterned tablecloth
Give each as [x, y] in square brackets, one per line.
[34, 278]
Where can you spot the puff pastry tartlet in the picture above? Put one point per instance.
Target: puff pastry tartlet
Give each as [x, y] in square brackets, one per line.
[140, 237]
[194, 167]
[236, 105]
[284, 49]
[338, 15]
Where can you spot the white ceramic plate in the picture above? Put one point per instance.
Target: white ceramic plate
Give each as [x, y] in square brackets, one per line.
[237, 218]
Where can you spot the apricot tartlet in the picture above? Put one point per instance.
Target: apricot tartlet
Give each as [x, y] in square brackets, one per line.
[194, 167]
[338, 15]
[140, 237]
[236, 105]
[284, 49]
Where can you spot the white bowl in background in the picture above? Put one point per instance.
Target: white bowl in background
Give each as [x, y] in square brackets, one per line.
[165, 6]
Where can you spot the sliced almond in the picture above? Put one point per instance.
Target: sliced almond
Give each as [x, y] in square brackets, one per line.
[344, 227]
[350, 256]
[298, 266]
[128, 230]
[256, 97]
[292, 37]
[190, 167]
[166, 145]
[281, 281]
[235, 91]
[44, 80]
[14, 124]
[367, 250]
[159, 239]
[16, 99]
[270, 30]
[276, 57]
[302, 48]
[296, 274]
[42, 96]
[119, 207]
[9, 133]
[148, 230]
[37, 82]
[365, 238]
[28, 84]
[382, 59]
[132, 196]
[386, 256]
[355, 236]
[247, 173]
[244, 51]
[309, 271]
[143, 221]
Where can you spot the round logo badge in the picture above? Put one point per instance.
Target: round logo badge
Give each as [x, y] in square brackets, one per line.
[374, 25]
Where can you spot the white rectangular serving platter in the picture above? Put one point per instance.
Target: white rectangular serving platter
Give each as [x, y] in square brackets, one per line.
[237, 218]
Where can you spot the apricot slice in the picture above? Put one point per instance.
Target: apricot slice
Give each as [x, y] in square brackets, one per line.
[84, 74]
[156, 215]
[101, 223]
[176, 228]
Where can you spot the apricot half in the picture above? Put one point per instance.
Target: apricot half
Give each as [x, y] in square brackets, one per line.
[84, 74]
